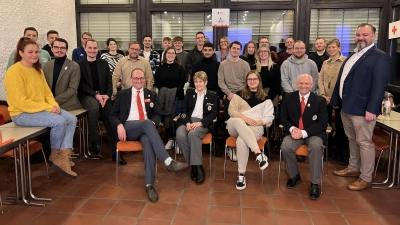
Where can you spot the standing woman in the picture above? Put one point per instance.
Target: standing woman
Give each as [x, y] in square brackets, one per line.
[250, 110]
[198, 111]
[112, 56]
[170, 77]
[270, 74]
[31, 103]
[223, 49]
[326, 83]
[249, 54]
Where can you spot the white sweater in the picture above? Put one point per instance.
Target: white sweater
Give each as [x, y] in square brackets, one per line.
[263, 111]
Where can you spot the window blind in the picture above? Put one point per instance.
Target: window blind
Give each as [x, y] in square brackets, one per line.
[181, 1]
[121, 26]
[342, 24]
[184, 24]
[85, 2]
[250, 25]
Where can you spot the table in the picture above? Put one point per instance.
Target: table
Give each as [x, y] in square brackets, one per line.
[81, 115]
[21, 136]
[392, 124]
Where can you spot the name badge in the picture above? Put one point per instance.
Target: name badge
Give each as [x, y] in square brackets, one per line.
[147, 100]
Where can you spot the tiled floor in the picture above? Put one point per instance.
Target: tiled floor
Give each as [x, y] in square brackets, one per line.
[93, 198]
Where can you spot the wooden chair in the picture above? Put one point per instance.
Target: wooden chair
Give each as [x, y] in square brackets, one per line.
[303, 151]
[128, 146]
[231, 142]
[382, 144]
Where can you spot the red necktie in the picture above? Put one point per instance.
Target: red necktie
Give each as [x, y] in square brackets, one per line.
[302, 107]
[139, 106]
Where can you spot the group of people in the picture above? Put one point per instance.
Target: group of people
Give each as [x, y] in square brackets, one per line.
[247, 87]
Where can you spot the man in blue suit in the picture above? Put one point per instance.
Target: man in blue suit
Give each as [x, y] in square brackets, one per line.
[359, 89]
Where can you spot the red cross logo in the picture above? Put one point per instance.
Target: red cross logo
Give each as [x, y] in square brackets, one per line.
[394, 29]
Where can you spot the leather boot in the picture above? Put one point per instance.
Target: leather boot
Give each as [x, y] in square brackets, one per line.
[72, 164]
[54, 155]
[61, 164]
[193, 173]
[200, 174]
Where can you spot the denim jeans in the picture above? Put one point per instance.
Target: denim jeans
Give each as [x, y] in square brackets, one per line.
[62, 126]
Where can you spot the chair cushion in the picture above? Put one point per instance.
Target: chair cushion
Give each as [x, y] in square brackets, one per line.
[302, 150]
[34, 146]
[207, 139]
[129, 146]
[261, 142]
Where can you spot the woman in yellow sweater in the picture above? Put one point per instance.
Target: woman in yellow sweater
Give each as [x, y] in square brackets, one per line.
[31, 103]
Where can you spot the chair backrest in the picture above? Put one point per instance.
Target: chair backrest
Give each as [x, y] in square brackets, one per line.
[6, 114]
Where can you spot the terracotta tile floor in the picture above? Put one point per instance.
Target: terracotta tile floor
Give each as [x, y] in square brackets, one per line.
[93, 198]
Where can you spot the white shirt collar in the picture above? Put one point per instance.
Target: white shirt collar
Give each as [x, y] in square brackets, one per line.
[305, 96]
[205, 92]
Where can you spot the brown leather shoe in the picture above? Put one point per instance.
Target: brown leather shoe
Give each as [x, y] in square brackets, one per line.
[359, 185]
[346, 173]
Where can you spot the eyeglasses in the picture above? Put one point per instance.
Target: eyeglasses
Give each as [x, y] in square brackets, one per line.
[264, 52]
[252, 79]
[59, 48]
[171, 53]
[289, 42]
[135, 49]
[264, 42]
[138, 78]
[223, 42]
[297, 49]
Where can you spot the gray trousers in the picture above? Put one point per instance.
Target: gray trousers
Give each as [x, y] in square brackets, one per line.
[315, 153]
[145, 131]
[189, 143]
[362, 149]
[247, 137]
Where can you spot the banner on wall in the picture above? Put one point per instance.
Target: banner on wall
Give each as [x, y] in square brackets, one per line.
[220, 17]
[394, 30]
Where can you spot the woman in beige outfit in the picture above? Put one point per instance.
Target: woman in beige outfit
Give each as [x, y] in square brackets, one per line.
[326, 83]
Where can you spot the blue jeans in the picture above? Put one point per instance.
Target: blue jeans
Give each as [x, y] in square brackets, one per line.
[62, 126]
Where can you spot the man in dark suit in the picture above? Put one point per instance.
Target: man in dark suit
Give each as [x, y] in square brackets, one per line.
[95, 89]
[360, 88]
[134, 116]
[305, 119]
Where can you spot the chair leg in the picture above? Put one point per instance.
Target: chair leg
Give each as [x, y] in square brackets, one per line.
[226, 147]
[376, 168]
[116, 166]
[45, 161]
[156, 171]
[175, 149]
[322, 170]
[279, 165]
[1, 205]
[210, 158]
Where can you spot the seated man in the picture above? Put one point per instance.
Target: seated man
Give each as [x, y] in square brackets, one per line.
[304, 125]
[135, 119]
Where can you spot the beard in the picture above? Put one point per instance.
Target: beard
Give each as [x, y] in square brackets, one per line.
[132, 56]
[299, 57]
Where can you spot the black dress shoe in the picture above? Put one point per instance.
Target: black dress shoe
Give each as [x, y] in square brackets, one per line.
[300, 158]
[314, 192]
[151, 193]
[200, 174]
[293, 181]
[96, 149]
[121, 160]
[193, 173]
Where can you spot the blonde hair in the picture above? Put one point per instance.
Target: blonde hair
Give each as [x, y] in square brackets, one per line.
[333, 40]
[200, 75]
[258, 63]
[219, 42]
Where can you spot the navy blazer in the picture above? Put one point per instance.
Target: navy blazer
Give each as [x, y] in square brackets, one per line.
[86, 83]
[122, 106]
[364, 86]
[210, 106]
[315, 116]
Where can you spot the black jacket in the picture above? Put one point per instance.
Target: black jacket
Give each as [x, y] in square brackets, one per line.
[315, 116]
[86, 83]
[210, 105]
[122, 106]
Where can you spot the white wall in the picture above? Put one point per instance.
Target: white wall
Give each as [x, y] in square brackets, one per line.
[44, 15]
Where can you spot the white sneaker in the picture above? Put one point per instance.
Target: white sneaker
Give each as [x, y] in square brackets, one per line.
[241, 182]
[262, 160]
[232, 154]
[169, 144]
[177, 150]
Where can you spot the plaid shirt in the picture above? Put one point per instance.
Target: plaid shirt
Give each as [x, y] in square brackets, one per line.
[154, 59]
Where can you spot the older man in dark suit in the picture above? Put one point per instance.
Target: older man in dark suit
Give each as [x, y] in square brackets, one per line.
[360, 88]
[134, 116]
[94, 92]
[305, 119]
